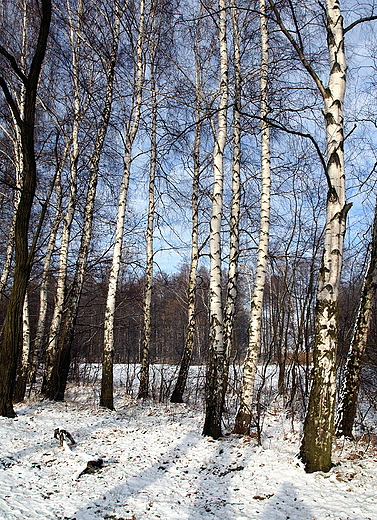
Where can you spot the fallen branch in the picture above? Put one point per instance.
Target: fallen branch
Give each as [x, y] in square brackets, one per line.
[62, 435]
[91, 467]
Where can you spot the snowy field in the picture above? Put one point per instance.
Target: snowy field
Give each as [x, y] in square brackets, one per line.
[157, 465]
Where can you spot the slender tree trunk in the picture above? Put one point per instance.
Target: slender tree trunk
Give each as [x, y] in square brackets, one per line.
[75, 43]
[10, 246]
[23, 364]
[59, 374]
[351, 383]
[215, 390]
[234, 249]
[18, 157]
[177, 395]
[107, 399]
[37, 346]
[144, 372]
[20, 384]
[318, 432]
[13, 318]
[244, 414]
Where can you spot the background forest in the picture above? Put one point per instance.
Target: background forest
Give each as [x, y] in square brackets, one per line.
[166, 166]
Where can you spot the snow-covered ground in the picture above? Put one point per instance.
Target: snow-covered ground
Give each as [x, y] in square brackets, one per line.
[157, 465]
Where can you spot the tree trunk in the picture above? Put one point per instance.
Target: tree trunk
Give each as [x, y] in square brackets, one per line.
[23, 364]
[59, 374]
[234, 249]
[244, 414]
[177, 395]
[75, 43]
[37, 346]
[18, 157]
[318, 432]
[351, 383]
[215, 391]
[107, 398]
[13, 318]
[144, 371]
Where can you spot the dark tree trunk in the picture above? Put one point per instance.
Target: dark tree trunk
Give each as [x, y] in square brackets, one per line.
[215, 393]
[13, 320]
[350, 391]
[180, 385]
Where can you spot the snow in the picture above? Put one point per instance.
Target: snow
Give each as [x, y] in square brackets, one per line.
[157, 465]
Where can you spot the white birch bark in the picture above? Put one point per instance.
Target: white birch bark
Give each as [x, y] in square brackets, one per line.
[58, 377]
[23, 364]
[177, 395]
[16, 199]
[106, 398]
[75, 43]
[234, 250]
[244, 414]
[17, 157]
[215, 369]
[147, 302]
[25, 337]
[42, 315]
[316, 444]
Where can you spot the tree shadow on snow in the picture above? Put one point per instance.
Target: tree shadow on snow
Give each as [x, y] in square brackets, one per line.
[286, 504]
[112, 502]
[216, 496]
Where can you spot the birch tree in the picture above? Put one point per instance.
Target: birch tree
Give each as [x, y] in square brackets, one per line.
[23, 364]
[234, 248]
[244, 414]
[316, 443]
[17, 160]
[179, 388]
[351, 383]
[147, 302]
[215, 391]
[23, 256]
[131, 128]
[37, 347]
[160, 27]
[57, 382]
[75, 41]
[319, 422]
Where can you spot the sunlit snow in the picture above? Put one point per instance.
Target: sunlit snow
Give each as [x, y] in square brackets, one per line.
[157, 465]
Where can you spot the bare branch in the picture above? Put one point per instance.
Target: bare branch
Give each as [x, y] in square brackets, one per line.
[9, 98]
[299, 51]
[359, 21]
[13, 63]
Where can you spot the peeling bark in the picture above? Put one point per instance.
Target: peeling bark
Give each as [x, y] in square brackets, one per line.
[318, 431]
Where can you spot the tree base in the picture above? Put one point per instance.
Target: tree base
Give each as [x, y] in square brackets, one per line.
[176, 398]
[242, 423]
[7, 411]
[212, 425]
